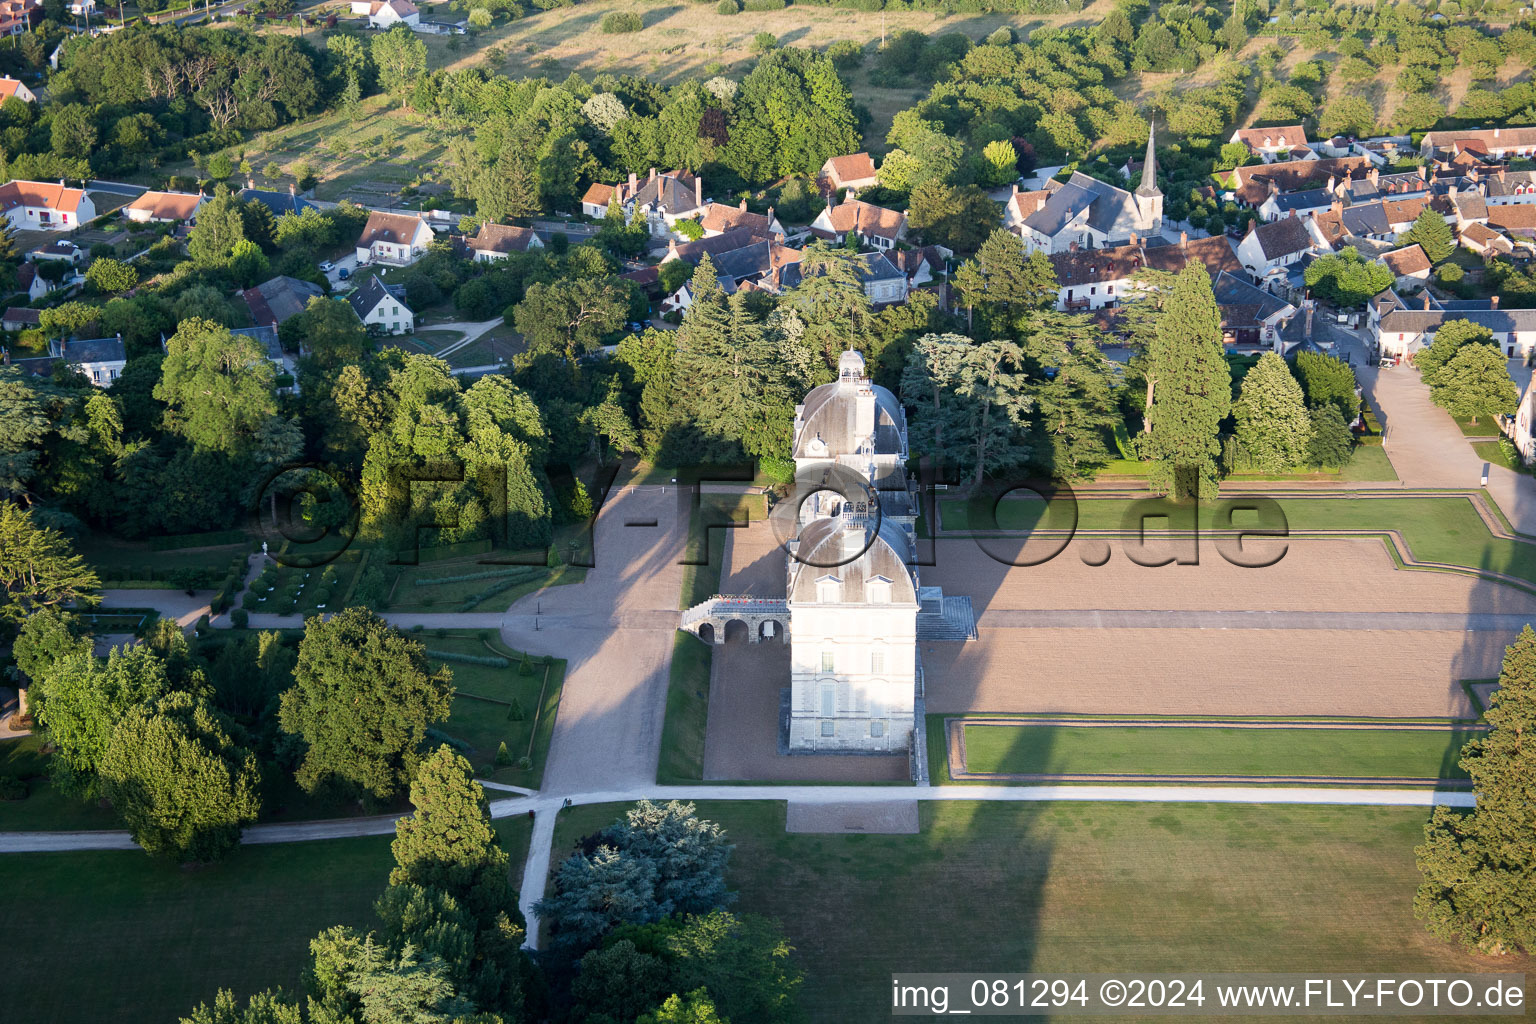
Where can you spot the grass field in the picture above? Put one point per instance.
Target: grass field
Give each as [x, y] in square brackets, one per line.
[1489, 451]
[1177, 750]
[1446, 530]
[118, 936]
[682, 734]
[482, 715]
[449, 597]
[1080, 887]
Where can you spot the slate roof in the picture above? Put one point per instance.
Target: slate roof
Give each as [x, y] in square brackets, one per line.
[275, 301]
[368, 296]
[278, 202]
[820, 551]
[1422, 321]
[669, 193]
[501, 238]
[1366, 219]
[266, 337]
[1508, 183]
[828, 414]
[1311, 199]
[95, 350]
[1241, 302]
[21, 315]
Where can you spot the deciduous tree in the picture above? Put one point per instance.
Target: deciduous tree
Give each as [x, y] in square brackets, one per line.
[1273, 427]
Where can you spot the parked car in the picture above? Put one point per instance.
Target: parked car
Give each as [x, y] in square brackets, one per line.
[1387, 362]
[343, 273]
[327, 265]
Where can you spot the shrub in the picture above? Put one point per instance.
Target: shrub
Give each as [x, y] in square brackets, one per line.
[1449, 273]
[728, 7]
[524, 763]
[762, 5]
[1509, 451]
[239, 618]
[488, 574]
[763, 41]
[13, 787]
[202, 624]
[525, 668]
[320, 597]
[488, 660]
[615, 22]
[515, 712]
[503, 755]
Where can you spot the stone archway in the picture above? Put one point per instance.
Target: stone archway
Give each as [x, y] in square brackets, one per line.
[736, 630]
[770, 629]
[707, 632]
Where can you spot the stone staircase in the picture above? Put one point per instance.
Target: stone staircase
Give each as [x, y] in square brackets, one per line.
[944, 618]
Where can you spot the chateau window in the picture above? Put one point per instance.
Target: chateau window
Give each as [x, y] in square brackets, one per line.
[829, 728]
[826, 661]
[877, 663]
[878, 590]
[828, 700]
[828, 589]
[877, 729]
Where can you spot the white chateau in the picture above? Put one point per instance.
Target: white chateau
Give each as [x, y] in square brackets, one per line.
[855, 606]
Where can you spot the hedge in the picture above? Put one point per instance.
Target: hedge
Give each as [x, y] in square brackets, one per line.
[499, 587]
[489, 660]
[489, 574]
[217, 538]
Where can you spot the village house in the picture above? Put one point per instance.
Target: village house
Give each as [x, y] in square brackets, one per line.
[1295, 204]
[1090, 213]
[1504, 187]
[101, 360]
[164, 207]
[883, 281]
[1275, 144]
[1401, 329]
[1498, 144]
[278, 203]
[382, 309]
[760, 264]
[1517, 221]
[61, 250]
[39, 205]
[720, 218]
[33, 283]
[923, 265]
[1253, 184]
[1020, 206]
[279, 300]
[660, 202]
[853, 172]
[1483, 240]
[1268, 249]
[874, 226]
[12, 87]
[711, 245]
[385, 14]
[1521, 427]
[1092, 279]
[16, 16]
[496, 241]
[1409, 265]
[1250, 317]
[398, 239]
[21, 318]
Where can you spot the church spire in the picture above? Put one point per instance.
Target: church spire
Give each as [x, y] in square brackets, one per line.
[1148, 186]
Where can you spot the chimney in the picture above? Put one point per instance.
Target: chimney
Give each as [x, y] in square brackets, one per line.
[653, 175]
[698, 190]
[1337, 209]
[1501, 174]
[770, 215]
[743, 206]
[293, 190]
[1274, 189]
[1332, 184]
[671, 249]
[1071, 247]
[1183, 239]
[1495, 133]
[1451, 191]
[1426, 299]
[1372, 175]
[1015, 188]
[633, 185]
[1494, 301]
[250, 183]
[1423, 172]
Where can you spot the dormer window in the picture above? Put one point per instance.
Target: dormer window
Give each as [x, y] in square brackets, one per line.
[829, 589]
[878, 590]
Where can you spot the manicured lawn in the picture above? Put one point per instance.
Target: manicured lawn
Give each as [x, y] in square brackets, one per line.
[1484, 427]
[482, 712]
[1081, 887]
[1369, 464]
[451, 597]
[118, 936]
[1361, 753]
[682, 734]
[1445, 529]
[1489, 451]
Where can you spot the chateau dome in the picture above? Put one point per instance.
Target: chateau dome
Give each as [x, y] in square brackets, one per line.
[882, 574]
